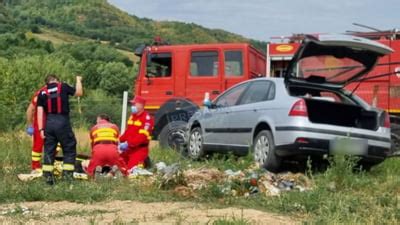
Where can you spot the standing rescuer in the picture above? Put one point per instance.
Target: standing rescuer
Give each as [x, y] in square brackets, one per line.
[135, 141]
[53, 102]
[33, 130]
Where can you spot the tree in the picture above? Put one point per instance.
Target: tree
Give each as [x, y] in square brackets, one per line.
[115, 78]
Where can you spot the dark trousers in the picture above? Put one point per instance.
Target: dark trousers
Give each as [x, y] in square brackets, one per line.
[58, 130]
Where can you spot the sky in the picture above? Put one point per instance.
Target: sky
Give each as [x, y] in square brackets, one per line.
[263, 19]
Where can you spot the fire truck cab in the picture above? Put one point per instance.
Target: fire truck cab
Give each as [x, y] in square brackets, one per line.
[174, 78]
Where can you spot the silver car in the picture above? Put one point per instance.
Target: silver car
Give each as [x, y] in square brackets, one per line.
[308, 112]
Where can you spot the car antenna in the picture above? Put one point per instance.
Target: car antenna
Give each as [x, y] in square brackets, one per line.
[367, 27]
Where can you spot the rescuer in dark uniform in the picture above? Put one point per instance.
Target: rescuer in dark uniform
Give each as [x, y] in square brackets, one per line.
[53, 104]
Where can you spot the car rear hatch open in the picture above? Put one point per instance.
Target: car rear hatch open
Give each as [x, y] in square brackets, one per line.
[333, 61]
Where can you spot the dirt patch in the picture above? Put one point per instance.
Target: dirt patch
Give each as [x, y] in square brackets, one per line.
[129, 212]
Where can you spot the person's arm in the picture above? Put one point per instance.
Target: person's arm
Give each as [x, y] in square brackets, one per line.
[78, 87]
[40, 112]
[143, 136]
[30, 111]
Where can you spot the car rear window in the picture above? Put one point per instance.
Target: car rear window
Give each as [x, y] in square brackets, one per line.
[320, 94]
[257, 92]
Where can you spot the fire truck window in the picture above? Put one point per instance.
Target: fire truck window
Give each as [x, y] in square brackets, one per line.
[161, 65]
[233, 63]
[204, 64]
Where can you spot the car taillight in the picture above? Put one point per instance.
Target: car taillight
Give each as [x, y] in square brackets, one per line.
[299, 108]
[386, 123]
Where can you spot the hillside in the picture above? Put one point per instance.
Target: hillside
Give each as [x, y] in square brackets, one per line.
[99, 20]
[91, 38]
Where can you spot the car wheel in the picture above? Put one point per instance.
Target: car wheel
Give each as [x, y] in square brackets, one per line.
[264, 151]
[195, 145]
[173, 136]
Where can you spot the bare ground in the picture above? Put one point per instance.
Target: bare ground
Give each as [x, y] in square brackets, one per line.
[117, 212]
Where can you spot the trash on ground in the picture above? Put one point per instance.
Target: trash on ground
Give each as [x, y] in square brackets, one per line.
[250, 181]
[139, 171]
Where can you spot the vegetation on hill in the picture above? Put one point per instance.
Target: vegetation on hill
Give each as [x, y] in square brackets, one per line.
[98, 20]
[91, 38]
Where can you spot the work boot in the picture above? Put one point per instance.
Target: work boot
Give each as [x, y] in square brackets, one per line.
[49, 178]
[68, 176]
[116, 172]
[97, 172]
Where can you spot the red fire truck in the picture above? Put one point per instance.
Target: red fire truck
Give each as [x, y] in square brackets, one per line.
[174, 78]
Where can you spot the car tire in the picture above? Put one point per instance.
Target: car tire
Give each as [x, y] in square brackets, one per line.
[173, 136]
[264, 151]
[195, 148]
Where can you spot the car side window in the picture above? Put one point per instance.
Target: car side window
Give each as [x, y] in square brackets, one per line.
[231, 97]
[160, 66]
[204, 64]
[258, 91]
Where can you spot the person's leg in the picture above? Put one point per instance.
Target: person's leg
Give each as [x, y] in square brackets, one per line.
[37, 149]
[68, 145]
[92, 165]
[95, 160]
[121, 165]
[137, 157]
[50, 145]
[114, 159]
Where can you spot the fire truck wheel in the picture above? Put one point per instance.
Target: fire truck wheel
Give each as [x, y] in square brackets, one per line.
[173, 136]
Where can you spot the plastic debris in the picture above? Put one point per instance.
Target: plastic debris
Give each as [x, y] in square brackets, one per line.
[139, 171]
[254, 181]
[231, 173]
[160, 166]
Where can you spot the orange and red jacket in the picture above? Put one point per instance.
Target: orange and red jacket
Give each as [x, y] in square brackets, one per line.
[138, 131]
[104, 132]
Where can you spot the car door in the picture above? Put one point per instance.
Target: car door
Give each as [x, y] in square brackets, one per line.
[204, 74]
[246, 113]
[216, 125]
[158, 85]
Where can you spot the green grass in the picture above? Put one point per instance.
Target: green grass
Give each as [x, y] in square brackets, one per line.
[340, 195]
[60, 38]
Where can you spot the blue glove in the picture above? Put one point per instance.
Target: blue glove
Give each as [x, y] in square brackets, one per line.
[30, 130]
[123, 146]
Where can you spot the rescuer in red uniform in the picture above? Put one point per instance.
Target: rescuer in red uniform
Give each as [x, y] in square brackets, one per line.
[135, 141]
[33, 130]
[104, 139]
